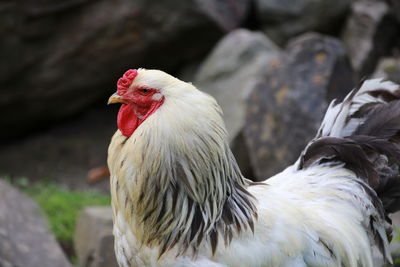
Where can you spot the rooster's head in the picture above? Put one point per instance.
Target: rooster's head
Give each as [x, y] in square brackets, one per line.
[141, 92]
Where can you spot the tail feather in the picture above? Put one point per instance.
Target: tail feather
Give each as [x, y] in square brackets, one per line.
[343, 119]
[363, 134]
[383, 120]
[368, 157]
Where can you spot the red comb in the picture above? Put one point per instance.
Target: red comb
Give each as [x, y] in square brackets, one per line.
[125, 81]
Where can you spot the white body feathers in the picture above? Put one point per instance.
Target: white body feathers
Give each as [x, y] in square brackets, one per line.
[312, 217]
[304, 217]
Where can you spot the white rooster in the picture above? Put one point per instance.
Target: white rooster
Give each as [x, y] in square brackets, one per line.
[179, 198]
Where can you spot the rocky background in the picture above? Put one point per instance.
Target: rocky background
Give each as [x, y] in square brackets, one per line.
[273, 65]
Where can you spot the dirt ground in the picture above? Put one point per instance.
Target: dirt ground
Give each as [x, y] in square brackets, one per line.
[65, 152]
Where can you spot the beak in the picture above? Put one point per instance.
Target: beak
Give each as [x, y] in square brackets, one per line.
[115, 98]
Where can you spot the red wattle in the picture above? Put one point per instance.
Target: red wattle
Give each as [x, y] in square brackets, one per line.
[127, 120]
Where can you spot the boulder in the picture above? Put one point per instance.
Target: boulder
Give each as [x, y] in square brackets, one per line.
[388, 68]
[395, 8]
[58, 57]
[237, 62]
[24, 233]
[369, 34]
[284, 19]
[285, 110]
[94, 240]
[229, 72]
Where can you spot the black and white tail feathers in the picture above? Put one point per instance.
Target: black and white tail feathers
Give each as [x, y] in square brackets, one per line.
[363, 133]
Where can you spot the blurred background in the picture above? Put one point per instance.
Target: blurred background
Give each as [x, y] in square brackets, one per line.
[273, 66]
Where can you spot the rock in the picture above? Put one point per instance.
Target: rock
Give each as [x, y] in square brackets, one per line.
[395, 8]
[229, 72]
[369, 34]
[24, 234]
[58, 57]
[285, 110]
[388, 68]
[93, 240]
[284, 19]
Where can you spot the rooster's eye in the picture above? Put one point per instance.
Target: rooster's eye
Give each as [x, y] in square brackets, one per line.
[144, 91]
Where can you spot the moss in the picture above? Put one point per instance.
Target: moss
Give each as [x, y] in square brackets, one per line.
[390, 69]
[396, 235]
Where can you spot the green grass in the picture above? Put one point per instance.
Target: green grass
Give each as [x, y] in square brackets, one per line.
[61, 206]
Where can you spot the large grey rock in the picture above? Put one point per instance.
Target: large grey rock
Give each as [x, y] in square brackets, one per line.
[25, 239]
[285, 110]
[93, 240]
[282, 19]
[395, 8]
[229, 73]
[388, 68]
[369, 34]
[57, 57]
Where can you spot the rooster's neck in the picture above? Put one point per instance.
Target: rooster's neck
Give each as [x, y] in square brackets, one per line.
[181, 187]
[183, 201]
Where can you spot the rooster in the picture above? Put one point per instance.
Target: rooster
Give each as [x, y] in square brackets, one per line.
[179, 198]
